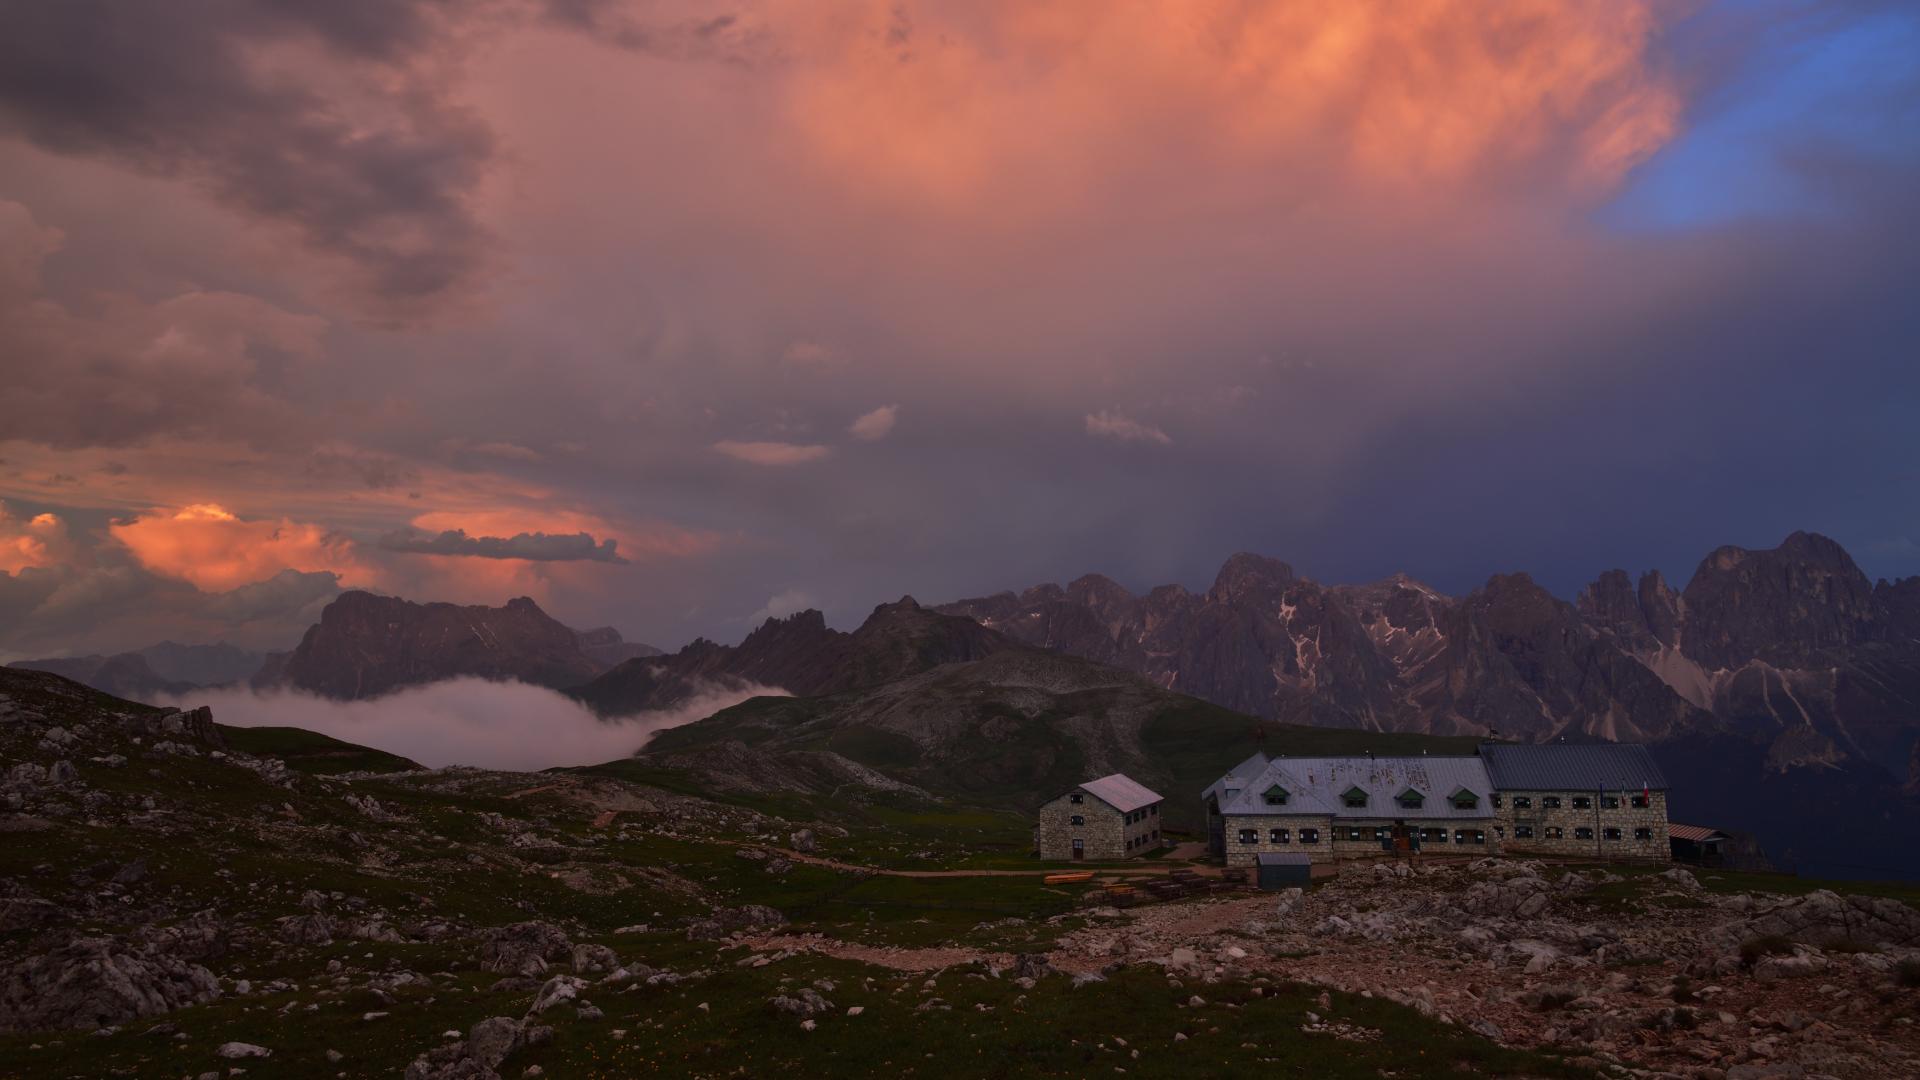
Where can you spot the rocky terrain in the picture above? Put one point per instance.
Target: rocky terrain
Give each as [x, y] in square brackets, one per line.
[173, 904]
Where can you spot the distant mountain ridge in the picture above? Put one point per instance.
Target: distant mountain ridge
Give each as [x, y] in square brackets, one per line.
[799, 654]
[1792, 644]
[367, 645]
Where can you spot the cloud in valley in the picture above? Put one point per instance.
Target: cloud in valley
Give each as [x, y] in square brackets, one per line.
[493, 725]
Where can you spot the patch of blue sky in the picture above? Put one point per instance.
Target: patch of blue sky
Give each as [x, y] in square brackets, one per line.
[1815, 80]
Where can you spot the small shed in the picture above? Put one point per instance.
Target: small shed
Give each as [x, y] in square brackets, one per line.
[1283, 869]
[1697, 843]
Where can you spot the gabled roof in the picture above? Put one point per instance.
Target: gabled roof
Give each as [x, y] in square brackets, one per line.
[1121, 792]
[1699, 834]
[1315, 786]
[1572, 767]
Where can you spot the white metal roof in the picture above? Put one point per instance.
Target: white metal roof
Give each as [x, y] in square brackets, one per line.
[1120, 791]
[1316, 786]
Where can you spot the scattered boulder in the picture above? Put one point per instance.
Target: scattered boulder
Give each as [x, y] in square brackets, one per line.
[805, 842]
[805, 1004]
[99, 982]
[594, 958]
[235, 1051]
[524, 948]
[1825, 918]
[558, 990]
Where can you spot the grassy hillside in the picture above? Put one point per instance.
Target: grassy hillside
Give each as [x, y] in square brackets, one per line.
[311, 752]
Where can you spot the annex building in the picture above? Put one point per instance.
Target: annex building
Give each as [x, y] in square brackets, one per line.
[1600, 800]
[1114, 817]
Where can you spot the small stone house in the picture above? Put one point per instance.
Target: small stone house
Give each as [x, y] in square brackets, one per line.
[1603, 800]
[1346, 807]
[1114, 817]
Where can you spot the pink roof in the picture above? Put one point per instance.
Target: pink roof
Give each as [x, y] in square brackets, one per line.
[1121, 792]
[1695, 833]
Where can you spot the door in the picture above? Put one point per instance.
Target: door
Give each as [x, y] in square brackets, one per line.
[1079, 848]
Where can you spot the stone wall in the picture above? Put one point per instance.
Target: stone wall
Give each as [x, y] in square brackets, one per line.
[1106, 831]
[1569, 819]
[1332, 842]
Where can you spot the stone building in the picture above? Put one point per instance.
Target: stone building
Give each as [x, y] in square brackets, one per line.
[1114, 817]
[1601, 800]
[1339, 807]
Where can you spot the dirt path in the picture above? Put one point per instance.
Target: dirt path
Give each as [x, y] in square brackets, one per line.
[1142, 870]
[887, 956]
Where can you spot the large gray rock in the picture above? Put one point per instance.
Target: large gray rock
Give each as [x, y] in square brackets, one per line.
[524, 948]
[98, 982]
[1826, 918]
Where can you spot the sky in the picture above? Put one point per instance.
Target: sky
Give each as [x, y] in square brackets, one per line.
[674, 315]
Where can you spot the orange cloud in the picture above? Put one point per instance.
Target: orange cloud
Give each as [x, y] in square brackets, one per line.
[216, 550]
[38, 541]
[941, 102]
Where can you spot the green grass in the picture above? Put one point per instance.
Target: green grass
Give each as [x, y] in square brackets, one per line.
[311, 752]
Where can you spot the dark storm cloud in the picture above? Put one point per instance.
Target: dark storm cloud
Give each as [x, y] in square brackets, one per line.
[536, 547]
[190, 89]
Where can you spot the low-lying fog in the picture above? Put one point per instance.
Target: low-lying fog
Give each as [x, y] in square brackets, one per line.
[467, 721]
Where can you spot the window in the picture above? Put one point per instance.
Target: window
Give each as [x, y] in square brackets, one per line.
[1249, 836]
[1555, 832]
[1643, 833]
[1309, 836]
[1582, 802]
[1077, 819]
[1520, 802]
[1433, 836]
[1276, 796]
[1496, 802]
[1523, 832]
[1612, 834]
[1550, 802]
[1277, 836]
[1609, 803]
[1640, 802]
[1154, 810]
[1465, 800]
[1076, 798]
[1469, 836]
[1410, 799]
[1583, 833]
[1354, 797]
[1079, 845]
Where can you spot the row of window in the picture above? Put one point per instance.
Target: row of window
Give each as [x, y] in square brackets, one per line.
[1362, 833]
[1555, 832]
[1144, 839]
[1142, 815]
[1580, 802]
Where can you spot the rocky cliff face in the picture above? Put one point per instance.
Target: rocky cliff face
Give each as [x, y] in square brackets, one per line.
[366, 645]
[1791, 643]
[799, 654]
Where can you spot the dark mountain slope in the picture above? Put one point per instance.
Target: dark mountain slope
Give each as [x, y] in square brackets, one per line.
[366, 645]
[799, 654]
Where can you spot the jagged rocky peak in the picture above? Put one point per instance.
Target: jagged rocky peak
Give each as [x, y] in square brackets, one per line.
[1781, 606]
[1901, 601]
[1098, 591]
[1643, 618]
[1248, 576]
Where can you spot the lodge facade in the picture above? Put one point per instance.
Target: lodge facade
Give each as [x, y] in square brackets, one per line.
[1114, 817]
[1605, 801]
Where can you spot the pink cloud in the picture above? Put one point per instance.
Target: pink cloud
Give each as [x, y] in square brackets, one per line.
[875, 425]
[216, 550]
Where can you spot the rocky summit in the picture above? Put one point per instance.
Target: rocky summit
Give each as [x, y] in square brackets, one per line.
[179, 898]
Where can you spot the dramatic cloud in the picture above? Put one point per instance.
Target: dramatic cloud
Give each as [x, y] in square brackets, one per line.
[215, 550]
[1112, 424]
[38, 541]
[771, 453]
[328, 119]
[875, 425]
[1564, 282]
[538, 547]
[493, 725]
